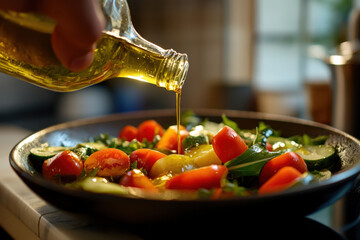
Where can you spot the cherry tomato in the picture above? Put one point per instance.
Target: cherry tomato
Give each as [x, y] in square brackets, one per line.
[206, 177]
[111, 162]
[148, 130]
[136, 178]
[269, 147]
[128, 133]
[64, 164]
[228, 144]
[170, 139]
[145, 158]
[287, 159]
[280, 181]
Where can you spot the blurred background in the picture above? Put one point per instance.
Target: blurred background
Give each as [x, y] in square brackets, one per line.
[255, 55]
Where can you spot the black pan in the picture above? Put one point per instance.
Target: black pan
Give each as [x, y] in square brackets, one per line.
[299, 201]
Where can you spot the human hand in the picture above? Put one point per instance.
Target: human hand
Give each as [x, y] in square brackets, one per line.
[79, 26]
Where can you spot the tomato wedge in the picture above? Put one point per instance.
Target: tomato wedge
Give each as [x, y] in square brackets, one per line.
[281, 180]
[128, 133]
[228, 144]
[287, 159]
[170, 139]
[136, 178]
[145, 158]
[63, 164]
[148, 130]
[111, 162]
[206, 177]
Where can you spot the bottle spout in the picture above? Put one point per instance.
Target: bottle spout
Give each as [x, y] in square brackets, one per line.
[174, 70]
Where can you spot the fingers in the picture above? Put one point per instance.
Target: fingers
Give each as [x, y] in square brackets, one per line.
[79, 27]
[73, 58]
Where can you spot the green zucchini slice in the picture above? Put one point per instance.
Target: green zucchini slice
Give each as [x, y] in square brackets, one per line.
[44, 153]
[40, 154]
[318, 157]
[280, 143]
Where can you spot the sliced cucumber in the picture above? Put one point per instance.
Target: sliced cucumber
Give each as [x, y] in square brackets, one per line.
[279, 143]
[44, 153]
[40, 154]
[318, 157]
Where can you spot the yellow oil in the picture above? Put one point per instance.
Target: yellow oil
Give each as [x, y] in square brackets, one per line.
[178, 118]
[26, 53]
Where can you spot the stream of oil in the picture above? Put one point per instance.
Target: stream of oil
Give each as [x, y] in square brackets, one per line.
[178, 113]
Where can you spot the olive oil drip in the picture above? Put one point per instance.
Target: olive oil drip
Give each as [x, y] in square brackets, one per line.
[178, 112]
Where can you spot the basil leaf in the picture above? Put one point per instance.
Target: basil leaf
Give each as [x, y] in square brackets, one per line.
[250, 162]
[230, 123]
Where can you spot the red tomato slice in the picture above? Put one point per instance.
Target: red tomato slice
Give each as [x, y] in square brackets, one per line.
[64, 164]
[280, 181]
[148, 130]
[136, 178]
[170, 139]
[111, 162]
[269, 147]
[287, 159]
[228, 144]
[128, 133]
[145, 158]
[205, 177]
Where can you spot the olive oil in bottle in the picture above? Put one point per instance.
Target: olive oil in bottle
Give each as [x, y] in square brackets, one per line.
[26, 53]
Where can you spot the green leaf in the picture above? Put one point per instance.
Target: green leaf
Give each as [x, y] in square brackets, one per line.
[194, 141]
[103, 138]
[250, 162]
[128, 147]
[265, 131]
[189, 119]
[83, 175]
[205, 193]
[230, 123]
[133, 165]
[235, 188]
[307, 140]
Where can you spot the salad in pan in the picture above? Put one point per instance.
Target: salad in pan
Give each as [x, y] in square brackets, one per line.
[213, 160]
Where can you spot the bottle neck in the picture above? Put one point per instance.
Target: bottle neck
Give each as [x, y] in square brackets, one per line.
[173, 72]
[119, 24]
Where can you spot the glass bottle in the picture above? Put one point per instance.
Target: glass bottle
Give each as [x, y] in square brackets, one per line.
[26, 53]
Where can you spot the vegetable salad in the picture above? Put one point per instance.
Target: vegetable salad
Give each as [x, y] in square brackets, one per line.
[214, 160]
